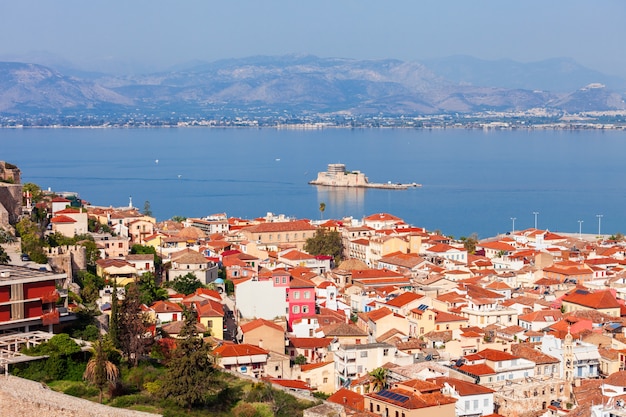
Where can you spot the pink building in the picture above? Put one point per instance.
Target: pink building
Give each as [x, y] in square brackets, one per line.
[300, 299]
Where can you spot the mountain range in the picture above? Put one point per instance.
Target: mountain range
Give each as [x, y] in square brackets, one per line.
[306, 85]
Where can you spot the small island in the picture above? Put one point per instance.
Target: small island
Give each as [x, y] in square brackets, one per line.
[337, 176]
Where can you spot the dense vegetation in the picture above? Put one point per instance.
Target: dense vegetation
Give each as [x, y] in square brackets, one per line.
[178, 379]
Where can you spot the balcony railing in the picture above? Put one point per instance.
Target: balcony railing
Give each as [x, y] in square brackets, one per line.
[52, 317]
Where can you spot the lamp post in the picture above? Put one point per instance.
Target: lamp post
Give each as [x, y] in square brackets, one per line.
[513, 220]
[536, 213]
[580, 229]
[599, 216]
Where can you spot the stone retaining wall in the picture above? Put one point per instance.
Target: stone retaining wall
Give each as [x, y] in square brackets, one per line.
[23, 398]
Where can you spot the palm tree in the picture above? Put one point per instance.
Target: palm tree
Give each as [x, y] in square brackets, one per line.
[100, 371]
[322, 208]
[380, 378]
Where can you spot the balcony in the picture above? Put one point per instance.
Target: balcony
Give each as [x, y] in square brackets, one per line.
[50, 297]
[52, 317]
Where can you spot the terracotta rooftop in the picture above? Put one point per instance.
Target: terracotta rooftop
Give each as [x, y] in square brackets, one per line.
[464, 388]
[254, 324]
[410, 400]
[348, 398]
[229, 350]
[597, 300]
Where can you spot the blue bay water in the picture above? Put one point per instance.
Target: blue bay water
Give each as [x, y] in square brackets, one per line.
[473, 180]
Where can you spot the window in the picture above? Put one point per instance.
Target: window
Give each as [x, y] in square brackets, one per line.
[467, 404]
[278, 236]
[475, 404]
[385, 352]
[295, 309]
[325, 380]
[305, 309]
[284, 280]
[486, 402]
[296, 295]
[307, 295]
[277, 280]
[364, 354]
[210, 324]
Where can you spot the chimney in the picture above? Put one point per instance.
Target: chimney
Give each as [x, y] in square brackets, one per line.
[261, 343]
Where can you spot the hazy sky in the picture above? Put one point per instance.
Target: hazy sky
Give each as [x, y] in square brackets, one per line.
[156, 34]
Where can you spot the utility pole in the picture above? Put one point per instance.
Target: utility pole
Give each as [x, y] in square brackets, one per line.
[580, 229]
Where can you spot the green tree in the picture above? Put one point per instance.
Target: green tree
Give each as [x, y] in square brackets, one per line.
[90, 286]
[325, 243]
[322, 209]
[191, 375]
[149, 292]
[300, 360]
[178, 219]
[5, 259]
[186, 284]
[469, 243]
[100, 371]
[32, 241]
[379, 376]
[147, 211]
[36, 194]
[133, 335]
[114, 319]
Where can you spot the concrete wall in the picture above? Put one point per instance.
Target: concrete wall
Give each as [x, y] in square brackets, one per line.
[23, 398]
[260, 299]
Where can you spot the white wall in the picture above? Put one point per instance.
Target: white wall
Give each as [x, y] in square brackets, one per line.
[260, 299]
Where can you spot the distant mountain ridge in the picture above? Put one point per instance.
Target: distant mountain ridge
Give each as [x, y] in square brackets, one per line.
[305, 84]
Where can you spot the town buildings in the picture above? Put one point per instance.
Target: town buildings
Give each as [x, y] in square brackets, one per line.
[519, 324]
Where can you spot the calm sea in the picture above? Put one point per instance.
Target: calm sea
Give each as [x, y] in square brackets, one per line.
[473, 181]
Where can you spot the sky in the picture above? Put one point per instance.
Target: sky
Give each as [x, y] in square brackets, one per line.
[150, 35]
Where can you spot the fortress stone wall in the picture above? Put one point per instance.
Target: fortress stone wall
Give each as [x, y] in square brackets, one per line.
[69, 259]
[10, 194]
[10, 203]
[23, 398]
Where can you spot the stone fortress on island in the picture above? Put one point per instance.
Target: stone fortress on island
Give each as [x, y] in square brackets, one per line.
[337, 176]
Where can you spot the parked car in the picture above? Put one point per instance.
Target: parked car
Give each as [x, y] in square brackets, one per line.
[25, 257]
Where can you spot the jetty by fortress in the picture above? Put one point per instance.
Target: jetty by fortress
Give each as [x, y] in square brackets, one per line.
[337, 176]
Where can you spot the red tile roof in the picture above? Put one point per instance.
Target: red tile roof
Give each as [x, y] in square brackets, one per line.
[229, 350]
[348, 398]
[62, 219]
[464, 388]
[478, 370]
[596, 300]
[404, 299]
[254, 324]
[310, 342]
